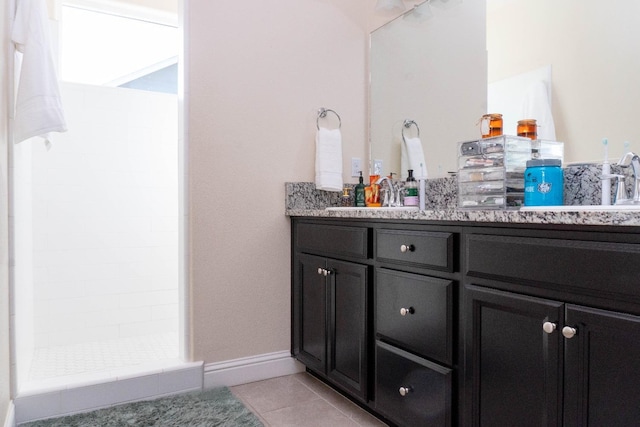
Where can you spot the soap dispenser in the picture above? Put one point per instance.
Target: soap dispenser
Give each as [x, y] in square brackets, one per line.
[359, 192]
[345, 200]
[411, 188]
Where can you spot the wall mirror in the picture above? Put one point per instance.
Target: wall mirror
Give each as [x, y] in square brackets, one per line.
[435, 71]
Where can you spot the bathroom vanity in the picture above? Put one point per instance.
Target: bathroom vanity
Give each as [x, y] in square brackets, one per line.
[447, 317]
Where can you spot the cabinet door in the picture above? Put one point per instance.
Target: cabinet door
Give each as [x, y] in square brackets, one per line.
[312, 316]
[348, 326]
[513, 368]
[602, 381]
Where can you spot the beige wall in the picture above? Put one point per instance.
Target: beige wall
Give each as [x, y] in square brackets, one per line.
[258, 70]
[594, 52]
[5, 364]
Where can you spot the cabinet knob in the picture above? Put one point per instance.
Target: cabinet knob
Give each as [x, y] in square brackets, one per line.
[404, 391]
[407, 248]
[327, 272]
[320, 270]
[549, 327]
[405, 311]
[569, 332]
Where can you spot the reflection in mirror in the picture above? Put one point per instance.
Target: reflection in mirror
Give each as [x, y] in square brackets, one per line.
[430, 69]
[593, 50]
[433, 73]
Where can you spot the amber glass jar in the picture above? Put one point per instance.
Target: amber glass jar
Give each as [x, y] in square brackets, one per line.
[528, 128]
[491, 125]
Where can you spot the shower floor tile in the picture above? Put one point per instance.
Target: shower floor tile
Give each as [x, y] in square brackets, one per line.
[101, 356]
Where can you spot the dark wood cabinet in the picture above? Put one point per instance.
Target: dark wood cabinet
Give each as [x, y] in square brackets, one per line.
[312, 314]
[331, 332]
[414, 323]
[602, 368]
[526, 369]
[514, 367]
[475, 325]
[534, 357]
[348, 334]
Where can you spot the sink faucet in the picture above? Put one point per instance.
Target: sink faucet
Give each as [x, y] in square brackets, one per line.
[390, 198]
[631, 159]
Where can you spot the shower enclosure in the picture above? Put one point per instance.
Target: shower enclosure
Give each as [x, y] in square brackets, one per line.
[97, 241]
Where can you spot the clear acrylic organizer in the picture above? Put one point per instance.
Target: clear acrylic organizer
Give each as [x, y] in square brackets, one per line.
[491, 170]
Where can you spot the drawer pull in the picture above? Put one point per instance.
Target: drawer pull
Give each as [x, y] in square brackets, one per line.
[405, 311]
[569, 332]
[549, 327]
[404, 391]
[407, 248]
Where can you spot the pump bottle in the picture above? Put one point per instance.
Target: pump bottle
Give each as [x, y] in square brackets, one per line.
[411, 190]
[359, 193]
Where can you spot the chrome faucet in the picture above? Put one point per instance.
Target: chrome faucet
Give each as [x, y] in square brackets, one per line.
[630, 159]
[391, 195]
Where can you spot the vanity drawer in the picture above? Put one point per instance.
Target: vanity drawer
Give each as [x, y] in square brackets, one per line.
[597, 268]
[428, 400]
[415, 312]
[334, 240]
[426, 249]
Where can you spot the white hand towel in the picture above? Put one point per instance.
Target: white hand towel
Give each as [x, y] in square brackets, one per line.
[414, 157]
[38, 104]
[404, 162]
[536, 105]
[329, 159]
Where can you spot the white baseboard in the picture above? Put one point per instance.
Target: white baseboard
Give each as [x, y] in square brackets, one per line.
[250, 369]
[74, 398]
[10, 419]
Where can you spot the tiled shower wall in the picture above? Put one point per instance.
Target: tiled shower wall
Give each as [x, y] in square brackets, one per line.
[105, 218]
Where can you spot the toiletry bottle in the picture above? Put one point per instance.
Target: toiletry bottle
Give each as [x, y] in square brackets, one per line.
[605, 200]
[411, 190]
[372, 200]
[543, 183]
[360, 203]
[345, 200]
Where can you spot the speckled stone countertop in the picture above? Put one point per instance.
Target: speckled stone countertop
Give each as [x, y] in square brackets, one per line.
[303, 200]
[619, 218]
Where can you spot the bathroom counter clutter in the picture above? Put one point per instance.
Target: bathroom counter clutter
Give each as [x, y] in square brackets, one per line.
[302, 200]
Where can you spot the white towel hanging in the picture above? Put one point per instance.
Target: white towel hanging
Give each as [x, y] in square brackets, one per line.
[537, 105]
[38, 108]
[414, 157]
[328, 159]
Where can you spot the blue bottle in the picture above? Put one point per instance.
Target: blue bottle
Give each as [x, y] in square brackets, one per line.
[543, 183]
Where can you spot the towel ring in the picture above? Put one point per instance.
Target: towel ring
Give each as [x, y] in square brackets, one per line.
[407, 125]
[322, 113]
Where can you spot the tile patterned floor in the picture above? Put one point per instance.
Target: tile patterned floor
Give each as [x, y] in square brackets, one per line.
[301, 400]
[61, 361]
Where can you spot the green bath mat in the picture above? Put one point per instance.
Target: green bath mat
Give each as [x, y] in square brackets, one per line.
[214, 407]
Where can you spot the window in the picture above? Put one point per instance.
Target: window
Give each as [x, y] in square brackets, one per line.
[101, 48]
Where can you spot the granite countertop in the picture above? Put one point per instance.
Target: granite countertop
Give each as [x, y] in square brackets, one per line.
[303, 200]
[617, 218]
